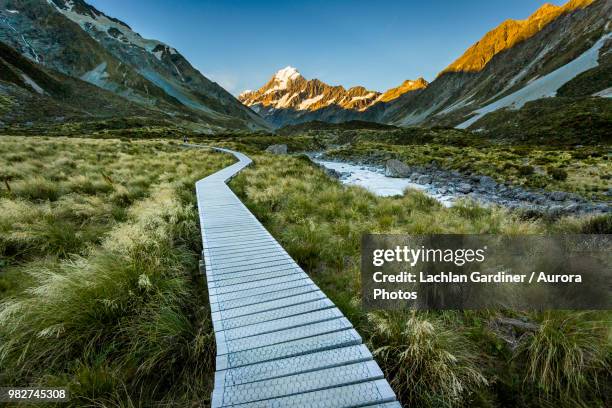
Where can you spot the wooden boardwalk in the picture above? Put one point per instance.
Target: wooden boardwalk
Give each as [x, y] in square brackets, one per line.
[280, 341]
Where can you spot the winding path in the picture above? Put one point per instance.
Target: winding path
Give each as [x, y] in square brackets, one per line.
[280, 341]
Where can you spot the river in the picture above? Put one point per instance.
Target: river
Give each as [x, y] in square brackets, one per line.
[374, 180]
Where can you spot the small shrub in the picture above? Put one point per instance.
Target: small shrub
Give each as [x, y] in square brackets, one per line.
[537, 181]
[556, 173]
[525, 170]
[599, 224]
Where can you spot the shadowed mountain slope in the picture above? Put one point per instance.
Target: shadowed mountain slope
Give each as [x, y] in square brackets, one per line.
[77, 40]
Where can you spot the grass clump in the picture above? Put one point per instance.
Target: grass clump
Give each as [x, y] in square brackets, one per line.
[36, 188]
[427, 363]
[566, 357]
[129, 302]
[599, 224]
[557, 173]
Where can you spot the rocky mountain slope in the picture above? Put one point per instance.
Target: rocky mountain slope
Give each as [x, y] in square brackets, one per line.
[75, 39]
[289, 98]
[517, 62]
[30, 93]
[508, 34]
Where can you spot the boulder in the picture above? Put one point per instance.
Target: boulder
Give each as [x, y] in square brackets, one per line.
[277, 149]
[464, 188]
[396, 168]
[512, 331]
[487, 182]
[424, 179]
[558, 195]
[522, 195]
[555, 210]
[572, 208]
[333, 173]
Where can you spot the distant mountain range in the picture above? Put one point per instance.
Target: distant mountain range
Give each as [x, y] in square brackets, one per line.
[289, 98]
[557, 48]
[69, 38]
[63, 61]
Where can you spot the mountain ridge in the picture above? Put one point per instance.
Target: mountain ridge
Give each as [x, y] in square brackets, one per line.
[456, 96]
[76, 39]
[290, 97]
[508, 34]
[504, 61]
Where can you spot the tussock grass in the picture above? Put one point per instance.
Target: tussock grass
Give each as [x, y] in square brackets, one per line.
[111, 305]
[63, 194]
[99, 294]
[427, 363]
[568, 355]
[431, 359]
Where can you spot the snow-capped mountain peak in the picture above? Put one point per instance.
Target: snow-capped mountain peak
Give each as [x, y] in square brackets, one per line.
[285, 75]
[288, 97]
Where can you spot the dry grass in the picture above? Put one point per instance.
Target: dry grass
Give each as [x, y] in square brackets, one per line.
[434, 359]
[102, 294]
[98, 246]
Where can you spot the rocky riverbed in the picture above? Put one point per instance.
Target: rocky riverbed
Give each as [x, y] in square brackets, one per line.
[449, 186]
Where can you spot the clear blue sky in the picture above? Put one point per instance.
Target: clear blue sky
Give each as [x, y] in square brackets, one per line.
[377, 44]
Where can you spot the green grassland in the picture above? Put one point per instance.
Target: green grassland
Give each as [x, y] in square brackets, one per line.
[99, 247]
[99, 288]
[443, 359]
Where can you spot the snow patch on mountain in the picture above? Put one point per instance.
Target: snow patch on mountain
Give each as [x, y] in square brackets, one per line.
[606, 93]
[459, 104]
[96, 76]
[543, 87]
[103, 24]
[32, 84]
[360, 98]
[32, 54]
[310, 101]
[285, 101]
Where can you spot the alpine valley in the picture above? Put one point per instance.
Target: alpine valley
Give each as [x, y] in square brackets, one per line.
[167, 243]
